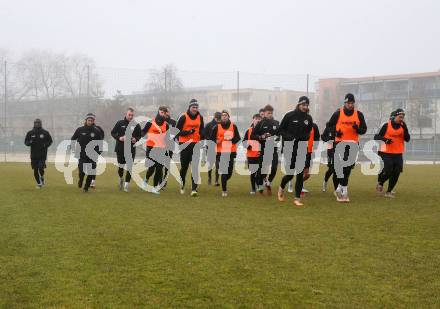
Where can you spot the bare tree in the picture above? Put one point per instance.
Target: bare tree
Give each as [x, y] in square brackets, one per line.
[164, 84]
[80, 76]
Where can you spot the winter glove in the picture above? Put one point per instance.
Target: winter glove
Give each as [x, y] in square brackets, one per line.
[356, 127]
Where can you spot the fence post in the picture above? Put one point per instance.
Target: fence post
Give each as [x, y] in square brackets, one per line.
[5, 119]
[307, 87]
[88, 88]
[238, 95]
[435, 130]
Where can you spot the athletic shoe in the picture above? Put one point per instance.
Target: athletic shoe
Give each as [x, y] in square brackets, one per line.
[39, 186]
[252, 192]
[86, 190]
[42, 183]
[126, 187]
[345, 199]
[120, 184]
[338, 195]
[182, 190]
[304, 190]
[281, 195]
[297, 202]
[80, 184]
[155, 191]
[92, 185]
[194, 193]
[379, 188]
[290, 187]
[217, 184]
[324, 186]
[224, 194]
[390, 194]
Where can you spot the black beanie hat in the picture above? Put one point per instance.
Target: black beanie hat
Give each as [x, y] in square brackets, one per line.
[193, 102]
[91, 116]
[398, 112]
[303, 100]
[349, 97]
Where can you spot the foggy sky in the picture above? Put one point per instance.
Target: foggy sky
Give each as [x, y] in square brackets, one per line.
[325, 38]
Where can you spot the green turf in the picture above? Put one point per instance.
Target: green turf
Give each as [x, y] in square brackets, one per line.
[60, 248]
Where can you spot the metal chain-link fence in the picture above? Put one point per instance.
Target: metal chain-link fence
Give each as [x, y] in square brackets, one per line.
[61, 93]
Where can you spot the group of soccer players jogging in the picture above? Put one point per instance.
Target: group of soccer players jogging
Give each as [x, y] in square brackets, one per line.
[261, 142]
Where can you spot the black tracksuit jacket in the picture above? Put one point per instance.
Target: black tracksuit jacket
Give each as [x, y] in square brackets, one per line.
[39, 140]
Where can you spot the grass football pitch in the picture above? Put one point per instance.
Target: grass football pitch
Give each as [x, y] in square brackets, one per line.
[61, 248]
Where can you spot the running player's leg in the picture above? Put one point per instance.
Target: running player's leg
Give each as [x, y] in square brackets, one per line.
[344, 182]
[129, 168]
[217, 175]
[217, 166]
[397, 169]
[385, 174]
[253, 175]
[194, 162]
[90, 177]
[274, 167]
[150, 172]
[225, 177]
[393, 180]
[334, 179]
[299, 183]
[328, 174]
[185, 160]
[81, 173]
[41, 168]
[285, 180]
[36, 175]
[157, 174]
[209, 177]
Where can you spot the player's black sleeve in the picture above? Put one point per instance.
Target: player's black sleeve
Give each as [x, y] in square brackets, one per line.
[236, 137]
[406, 135]
[363, 125]
[213, 134]
[27, 139]
[137, 132]
[328, 134]
[380, 136]
[202, 128]
[49, 140]
[245, 136]
[115, 131]
[256, 132]
[316, 135]
[333, 119]
[146, 128]
[75, 135]
[285, 134]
